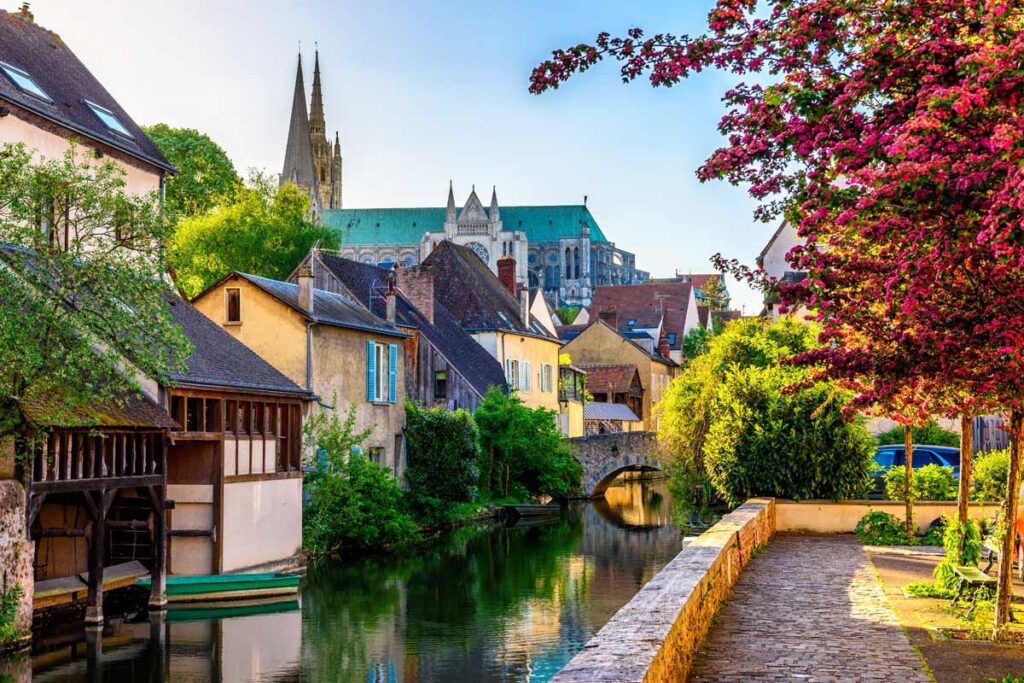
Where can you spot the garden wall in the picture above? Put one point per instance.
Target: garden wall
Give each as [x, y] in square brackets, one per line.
[16, 553]
[655, 636]
[840, 517]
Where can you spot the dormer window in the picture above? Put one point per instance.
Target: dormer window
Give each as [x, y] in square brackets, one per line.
[109, 119]
[23, 81]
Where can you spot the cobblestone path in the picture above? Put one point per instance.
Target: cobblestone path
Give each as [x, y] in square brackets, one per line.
[809, 608]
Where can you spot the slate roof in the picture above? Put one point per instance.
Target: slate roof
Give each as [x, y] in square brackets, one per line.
[407, 225]
[220, 360]
[645, 304]
[55, 68]
[569, 332]
[474, 295]
[368, 284]
[329, 308]
[618, 378]
[128, 410]
[595, 410]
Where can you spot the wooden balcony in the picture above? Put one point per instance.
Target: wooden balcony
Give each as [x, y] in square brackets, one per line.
[82, 460]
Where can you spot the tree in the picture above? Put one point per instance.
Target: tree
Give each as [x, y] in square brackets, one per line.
[891, 135]
[714, 294]
[260, 230]
[83, 308]
[567, 314]
[205, 173]
[443, 453]
[695, 342]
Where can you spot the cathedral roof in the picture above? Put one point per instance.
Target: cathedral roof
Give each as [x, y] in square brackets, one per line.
[406, 226]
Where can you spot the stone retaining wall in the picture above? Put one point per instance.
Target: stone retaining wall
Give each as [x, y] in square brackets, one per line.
[840, 517]
[16, 553]
[655, 636]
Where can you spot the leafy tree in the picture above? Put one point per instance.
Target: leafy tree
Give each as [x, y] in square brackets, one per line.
[990, 475]
[715, 295]
[929, 433]
[695, 342]
[522, 451]
[352, 505]
[567, 314]
[931, 482]
[205, 173]
[82, 298]
[260, 230]
[442, 460]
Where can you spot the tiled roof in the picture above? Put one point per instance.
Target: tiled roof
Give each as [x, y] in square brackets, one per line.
[220, 360]
[55, 68]
[608, 411]
[406, 226]
[329, 308]
[644, 304]
[616, 378]
[368, 282]
[569, 332]
[474, 295]
[132, 409]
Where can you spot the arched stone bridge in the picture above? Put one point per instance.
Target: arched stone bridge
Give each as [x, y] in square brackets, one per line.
[604, 456]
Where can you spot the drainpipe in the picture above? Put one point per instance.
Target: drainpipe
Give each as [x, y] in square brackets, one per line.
[309, 355]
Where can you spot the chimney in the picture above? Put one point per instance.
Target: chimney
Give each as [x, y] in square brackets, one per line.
[663, 347]
[610, 316]
[524, 306]
[389, 295]
[305, 279]
[26, 13]
[507, 273]
[417, 286]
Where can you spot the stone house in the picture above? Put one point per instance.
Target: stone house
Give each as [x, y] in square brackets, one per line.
[601, 344]
[327, 343]
[654, 315]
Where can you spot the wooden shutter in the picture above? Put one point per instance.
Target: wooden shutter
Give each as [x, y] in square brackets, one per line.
[392, 372]
[371, 370]
[526, 375]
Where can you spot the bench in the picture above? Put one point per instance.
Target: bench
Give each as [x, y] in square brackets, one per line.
[975, 579]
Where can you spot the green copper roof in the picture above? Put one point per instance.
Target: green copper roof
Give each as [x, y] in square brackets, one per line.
[406, 226]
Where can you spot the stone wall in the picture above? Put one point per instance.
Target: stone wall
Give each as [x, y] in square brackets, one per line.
[841, 517]
[16, 553]
[655, 636]
[603, 455]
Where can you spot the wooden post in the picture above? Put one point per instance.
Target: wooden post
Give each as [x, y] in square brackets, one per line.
[97, 554]
[1004, 587]
[908, 473]
[966, 463]
[158, 591]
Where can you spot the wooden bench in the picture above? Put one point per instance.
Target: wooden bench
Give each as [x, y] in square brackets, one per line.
[975, 579]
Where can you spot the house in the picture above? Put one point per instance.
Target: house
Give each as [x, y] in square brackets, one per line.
[700, 282]
[572, 382]
[616, 383]
[496, 314]
[234, 466]
[582, 317]
[651, 314]
[325, 342]
[772, 260]
[601, 344]
[541, 309]
[609, 418]
[48, 98]
[444, 366]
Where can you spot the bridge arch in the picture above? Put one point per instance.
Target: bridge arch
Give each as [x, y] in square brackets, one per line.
[605, 456]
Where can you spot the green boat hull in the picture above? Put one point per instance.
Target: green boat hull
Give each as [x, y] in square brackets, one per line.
[224, 586]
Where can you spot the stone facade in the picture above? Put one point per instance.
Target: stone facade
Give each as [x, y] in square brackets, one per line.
[16, 553]
[604, 456]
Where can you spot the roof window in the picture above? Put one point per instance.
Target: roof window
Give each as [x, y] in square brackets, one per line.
[23, 81]
[109, 119]
[631, 322]
[504, 318]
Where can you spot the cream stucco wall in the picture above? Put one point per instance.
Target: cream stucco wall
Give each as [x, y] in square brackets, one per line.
[571, 418]
[841, 517]
[262, 522]
[537, 352]
[193, 509]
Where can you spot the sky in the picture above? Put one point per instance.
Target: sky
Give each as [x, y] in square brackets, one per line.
[426, 91]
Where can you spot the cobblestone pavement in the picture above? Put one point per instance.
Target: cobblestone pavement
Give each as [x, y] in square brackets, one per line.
[809, 608]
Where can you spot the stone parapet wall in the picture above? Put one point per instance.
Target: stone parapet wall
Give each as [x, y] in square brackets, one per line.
[16, 553]
[841, 517]
[656, 635]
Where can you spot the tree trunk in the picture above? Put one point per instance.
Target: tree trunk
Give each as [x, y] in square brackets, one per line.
[908, 474]
[1004, 590]
[966, 463]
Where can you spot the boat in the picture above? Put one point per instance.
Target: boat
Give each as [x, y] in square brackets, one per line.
[207, 611]
[216, 587]
[513, 512]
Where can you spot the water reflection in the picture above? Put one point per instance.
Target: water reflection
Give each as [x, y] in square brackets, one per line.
[484, 604]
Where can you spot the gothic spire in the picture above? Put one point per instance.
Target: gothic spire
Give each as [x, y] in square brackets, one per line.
[337, 144]
[449, 212]
[317, 125]
[298, 154]
[494, 214]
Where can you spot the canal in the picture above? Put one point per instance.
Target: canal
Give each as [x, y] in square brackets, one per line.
[483, 604]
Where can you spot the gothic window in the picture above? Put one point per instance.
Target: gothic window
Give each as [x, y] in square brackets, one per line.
[534, 279]
[576, 262]
[407, 261]
[532, 258]
[551, 277]
[568, 263]
[481, 251]
[552, 257]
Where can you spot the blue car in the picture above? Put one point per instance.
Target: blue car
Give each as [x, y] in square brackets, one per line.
[895, 456]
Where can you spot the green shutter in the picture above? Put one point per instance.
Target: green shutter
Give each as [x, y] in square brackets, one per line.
[371, 370]
[392, 372]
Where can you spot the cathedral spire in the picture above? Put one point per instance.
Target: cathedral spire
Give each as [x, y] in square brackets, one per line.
[449, 212]
[298, 154]
[494, 214]
[317, 125]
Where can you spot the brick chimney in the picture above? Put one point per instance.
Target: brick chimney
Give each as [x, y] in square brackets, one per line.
[610, 316]
[305, 280]
[524, 306]
[390, 293]
[507, 273]
[418, 287]
[26, 13]
[663, 347]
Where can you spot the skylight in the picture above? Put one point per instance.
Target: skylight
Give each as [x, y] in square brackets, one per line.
[108, 119]
[24, 81]
[631, 322]
[504, 318]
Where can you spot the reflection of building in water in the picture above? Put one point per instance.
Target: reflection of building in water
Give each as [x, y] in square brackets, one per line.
[636, 505]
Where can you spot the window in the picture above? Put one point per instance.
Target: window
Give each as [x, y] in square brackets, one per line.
[23, 81]
[672, 339]
[546, 377]
[512, 373]
[440, 384]
[375, 454]
[233, 304]
[885, 458]
[525, 379]
[381, 372]
[631, 322]
[109, 119]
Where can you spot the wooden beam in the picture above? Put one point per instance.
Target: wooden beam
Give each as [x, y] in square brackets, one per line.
[97, 555]
[158, 592]
[97, 484]
[35, 504]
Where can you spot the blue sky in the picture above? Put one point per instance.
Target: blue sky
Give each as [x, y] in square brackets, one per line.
[426, 91]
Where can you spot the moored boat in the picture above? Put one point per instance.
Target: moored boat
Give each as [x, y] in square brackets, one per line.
[215, 587]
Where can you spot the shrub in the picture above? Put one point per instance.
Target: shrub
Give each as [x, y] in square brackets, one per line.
[956, 533]
[931, 482]
[352, 504]
[989, 473]
[10, 600]
[931, 434]
[881, 528]
[442, 461]
[923, 589]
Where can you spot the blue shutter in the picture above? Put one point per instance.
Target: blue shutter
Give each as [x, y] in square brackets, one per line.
[392, 372]
[526, 375]
[371, 370]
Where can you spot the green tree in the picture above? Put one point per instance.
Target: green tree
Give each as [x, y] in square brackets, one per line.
[739, 417]
[930, 434]
[715, 295]
[83, 302]
[695, 342]
[566, 314]
[205, 173]
[261, 229]
[522, 450]
[442, 460]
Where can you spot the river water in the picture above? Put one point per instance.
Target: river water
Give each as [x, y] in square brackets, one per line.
[481, 605]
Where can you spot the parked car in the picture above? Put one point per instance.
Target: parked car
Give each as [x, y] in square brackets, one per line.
[894, 455]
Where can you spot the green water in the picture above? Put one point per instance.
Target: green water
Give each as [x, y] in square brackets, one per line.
[480, 605]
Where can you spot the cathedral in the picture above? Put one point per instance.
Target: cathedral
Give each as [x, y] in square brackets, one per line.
[310, 161]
